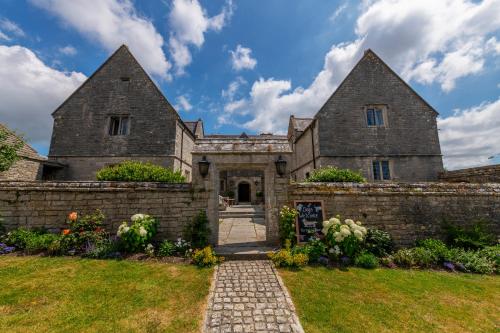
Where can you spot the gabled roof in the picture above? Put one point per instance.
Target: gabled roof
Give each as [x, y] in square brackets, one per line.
[121, 49]
[191, 125]
[371, 53]
[300, 124]
[26, 150]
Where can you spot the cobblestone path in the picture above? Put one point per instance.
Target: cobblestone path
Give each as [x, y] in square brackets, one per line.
[249, 296]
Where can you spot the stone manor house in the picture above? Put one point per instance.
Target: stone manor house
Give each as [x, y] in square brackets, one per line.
[374, 123]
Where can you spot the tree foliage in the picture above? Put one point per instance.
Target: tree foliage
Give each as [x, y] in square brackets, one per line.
[8, 151]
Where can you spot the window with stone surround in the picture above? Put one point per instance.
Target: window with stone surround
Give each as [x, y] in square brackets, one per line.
[119, 125]
[381, 170]
[376, 115]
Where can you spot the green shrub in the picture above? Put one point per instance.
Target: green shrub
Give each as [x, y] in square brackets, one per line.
[18, 237]
[336, 175]
[424, 258]
[288, 236]
[313, 249]
[166, 249]
[206, 257]
[102, 249]
[83, 232]
[473, 261]
[138, 235]
[366, 260]
[492, 253]
[378, 242]
[197, 233]
[404, 258]
[134, 171]
[285, 258]
[39, 242]
[437, 247]
[471, 237]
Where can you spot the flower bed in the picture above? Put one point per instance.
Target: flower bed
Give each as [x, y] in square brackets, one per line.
[347, 242]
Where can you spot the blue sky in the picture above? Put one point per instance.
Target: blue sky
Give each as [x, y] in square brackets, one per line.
[248, 65]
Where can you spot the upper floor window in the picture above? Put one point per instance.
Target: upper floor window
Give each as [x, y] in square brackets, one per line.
[119, 125]
[381, 170]
[375, 116]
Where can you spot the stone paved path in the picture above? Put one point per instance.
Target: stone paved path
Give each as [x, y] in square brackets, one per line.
[249, 296]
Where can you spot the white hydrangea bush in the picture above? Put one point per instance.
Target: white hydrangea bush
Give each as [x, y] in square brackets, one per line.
[136, 236]
[343, 238]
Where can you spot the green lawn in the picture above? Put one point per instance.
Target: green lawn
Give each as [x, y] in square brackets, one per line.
[79, 295]
[386, 300]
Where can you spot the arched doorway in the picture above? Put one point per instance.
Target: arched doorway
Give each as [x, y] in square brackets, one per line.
[243, 192]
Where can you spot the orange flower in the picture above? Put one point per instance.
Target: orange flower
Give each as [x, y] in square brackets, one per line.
[73, 216]
[98, 229]
[66, 232]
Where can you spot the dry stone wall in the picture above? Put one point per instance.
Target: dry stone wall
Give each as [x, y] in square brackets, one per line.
[407, 211]
[46, 204]
[485, 174]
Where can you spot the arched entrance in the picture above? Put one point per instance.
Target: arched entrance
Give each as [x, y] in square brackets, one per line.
[243, 192]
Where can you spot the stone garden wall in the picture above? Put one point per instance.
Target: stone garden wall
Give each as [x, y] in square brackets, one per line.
[485, 174]
[407, 211]
[47, 204]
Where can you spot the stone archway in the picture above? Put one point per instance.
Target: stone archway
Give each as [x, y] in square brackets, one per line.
[244, 192]
[254, 153]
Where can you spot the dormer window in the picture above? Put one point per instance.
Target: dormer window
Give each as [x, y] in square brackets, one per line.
[375, 116]
[119, 125]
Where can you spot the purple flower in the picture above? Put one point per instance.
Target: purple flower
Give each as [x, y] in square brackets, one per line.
[449, 266]
[345, 260]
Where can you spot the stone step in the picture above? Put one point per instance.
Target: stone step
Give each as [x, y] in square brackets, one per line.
[235, 252]
[225, 215]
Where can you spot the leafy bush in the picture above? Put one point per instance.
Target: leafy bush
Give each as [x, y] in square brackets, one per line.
[103, 249]
[336, 175]
[285, 258]
[8, 150]
[183, 247]
[313, 249]
[473, 237]
[288, 236]
[344, 238]
[19, 237]
[424, 258]
[366, 260]
[404, 258]
[135, 237]
[378, 242]
[472, 261]
[206, 257]
[197, 233]
[437, 247]
[40, 242]
[135, 171]
[492, 253]
[166, 249]
[82, 232]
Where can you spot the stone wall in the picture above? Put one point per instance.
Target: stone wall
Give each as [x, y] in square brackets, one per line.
[23, 169]
[46, 204]
[407, 211]
[486, 174]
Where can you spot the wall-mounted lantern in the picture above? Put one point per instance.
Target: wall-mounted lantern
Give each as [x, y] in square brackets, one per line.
[280, 166]
[203, 166]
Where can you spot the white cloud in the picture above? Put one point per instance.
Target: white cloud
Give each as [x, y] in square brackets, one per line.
[233, 88]
[427, 41]
[241, 58]
[340, 9]
[30, 91]
[470, 136]
[183, 103]
[112, 23]
[68, 50]
[11, 27]
[4, 36]
[189, 23]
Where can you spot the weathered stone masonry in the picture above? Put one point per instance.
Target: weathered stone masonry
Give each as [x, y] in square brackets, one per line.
[47, 204]
[407, 211]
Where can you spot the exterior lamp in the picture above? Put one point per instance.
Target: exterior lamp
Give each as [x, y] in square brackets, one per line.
[203, 166]
[280, 166]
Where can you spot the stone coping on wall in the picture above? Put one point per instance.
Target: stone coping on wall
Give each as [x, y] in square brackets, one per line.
[396, 188]
[92, 185]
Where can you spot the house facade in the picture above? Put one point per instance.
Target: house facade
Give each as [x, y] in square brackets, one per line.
[374, 123]
[119, 114]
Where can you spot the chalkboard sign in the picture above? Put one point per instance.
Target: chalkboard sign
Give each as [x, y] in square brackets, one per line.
[309, 222]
